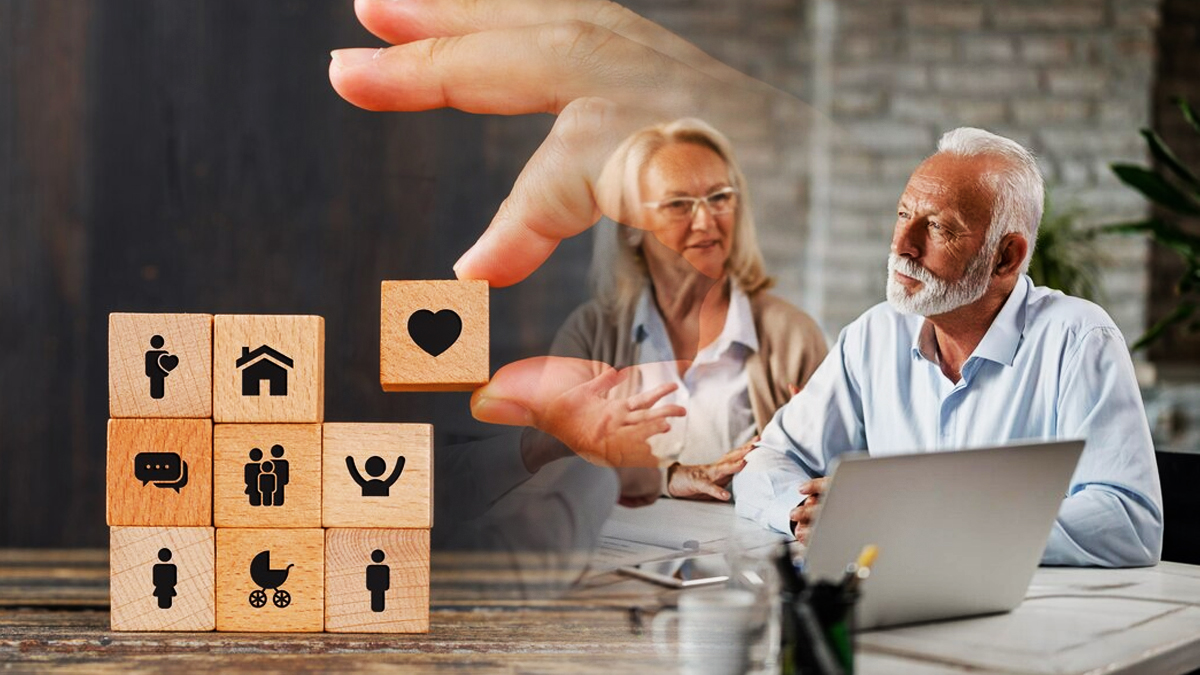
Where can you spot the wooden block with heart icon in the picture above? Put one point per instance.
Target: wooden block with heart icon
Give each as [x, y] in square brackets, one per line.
[433, 335]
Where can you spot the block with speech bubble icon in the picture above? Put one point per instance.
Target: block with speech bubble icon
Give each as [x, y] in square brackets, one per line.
[160, 472]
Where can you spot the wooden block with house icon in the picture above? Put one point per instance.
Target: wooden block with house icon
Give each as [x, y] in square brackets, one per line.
[162, 578]
[377, 581]
[160, 365]
[268, 369]
[267, 475]
[378, 475]
[270, 580]
[433, 335]
[159, 472]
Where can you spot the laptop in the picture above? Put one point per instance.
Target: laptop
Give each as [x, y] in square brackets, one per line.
[959, 533]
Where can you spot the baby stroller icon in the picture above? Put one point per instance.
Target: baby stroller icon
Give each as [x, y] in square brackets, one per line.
[264, 576]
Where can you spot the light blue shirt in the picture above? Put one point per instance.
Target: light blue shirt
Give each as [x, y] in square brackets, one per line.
[1050, 366]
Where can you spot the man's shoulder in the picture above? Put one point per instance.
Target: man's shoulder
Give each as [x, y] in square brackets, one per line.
[1050, 309]
[883, 318]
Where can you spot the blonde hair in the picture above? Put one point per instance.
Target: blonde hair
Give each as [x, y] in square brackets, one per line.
[619, 273]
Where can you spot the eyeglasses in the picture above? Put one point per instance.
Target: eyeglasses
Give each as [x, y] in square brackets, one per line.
[683, 209]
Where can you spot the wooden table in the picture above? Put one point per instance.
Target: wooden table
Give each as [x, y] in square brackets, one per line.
[54, 615]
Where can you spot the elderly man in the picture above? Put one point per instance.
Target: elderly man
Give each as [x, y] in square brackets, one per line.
[967, 352]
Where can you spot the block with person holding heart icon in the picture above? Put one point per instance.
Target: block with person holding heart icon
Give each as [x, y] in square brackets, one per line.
[433, 335]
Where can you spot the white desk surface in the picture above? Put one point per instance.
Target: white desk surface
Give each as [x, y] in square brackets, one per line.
[1139, 621]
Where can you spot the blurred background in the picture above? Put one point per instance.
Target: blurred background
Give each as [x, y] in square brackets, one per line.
[191, 157]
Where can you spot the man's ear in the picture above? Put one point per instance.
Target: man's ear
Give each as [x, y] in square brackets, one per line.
[1011, 254]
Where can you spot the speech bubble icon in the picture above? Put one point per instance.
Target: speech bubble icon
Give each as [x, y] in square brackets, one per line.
[164, 469]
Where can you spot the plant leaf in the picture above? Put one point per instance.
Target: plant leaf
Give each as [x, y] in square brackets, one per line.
[1154, 188]
[1163, 154]
[1188, 114]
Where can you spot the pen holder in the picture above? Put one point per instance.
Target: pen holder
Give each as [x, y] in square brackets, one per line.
[819, 623]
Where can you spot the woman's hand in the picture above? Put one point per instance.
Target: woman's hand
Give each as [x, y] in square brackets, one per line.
[700, 481]
[576, 401]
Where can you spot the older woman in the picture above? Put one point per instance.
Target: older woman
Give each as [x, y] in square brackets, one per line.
[681, 293]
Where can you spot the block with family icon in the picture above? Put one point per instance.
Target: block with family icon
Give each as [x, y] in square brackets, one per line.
[233, 506]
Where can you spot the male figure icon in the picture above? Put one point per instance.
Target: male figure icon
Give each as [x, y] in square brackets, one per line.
[159, 364]
[375, 466]
[165, 576]
[379, 580]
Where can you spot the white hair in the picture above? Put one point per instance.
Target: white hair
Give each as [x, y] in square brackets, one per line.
[1019, 189]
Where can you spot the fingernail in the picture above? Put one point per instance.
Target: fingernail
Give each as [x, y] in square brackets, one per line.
[350, 58]
[462, 268]
[500, 411]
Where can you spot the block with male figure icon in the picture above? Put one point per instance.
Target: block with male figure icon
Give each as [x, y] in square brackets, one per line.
[267, 475]
[162, 578]
[160, 365]
[377, 475]
[377, 580]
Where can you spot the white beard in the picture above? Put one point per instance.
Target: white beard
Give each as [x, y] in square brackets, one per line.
[936, 296]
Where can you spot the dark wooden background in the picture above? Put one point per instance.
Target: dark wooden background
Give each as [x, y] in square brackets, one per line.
[191, 156]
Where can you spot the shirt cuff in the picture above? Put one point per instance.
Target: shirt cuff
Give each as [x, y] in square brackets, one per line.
[664, 480]
[778, 513]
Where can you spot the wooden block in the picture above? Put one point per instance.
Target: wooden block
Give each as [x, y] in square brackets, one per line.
[377, 581]
[160, 472]
[433, 335]
[161, 578]
[270, 580]
[268, 369]
[267, 475]
[391, 484]
[160, 365]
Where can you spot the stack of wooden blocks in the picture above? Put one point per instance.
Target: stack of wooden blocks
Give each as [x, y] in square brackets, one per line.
[234, 506]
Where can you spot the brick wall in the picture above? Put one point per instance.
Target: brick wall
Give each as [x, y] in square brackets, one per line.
[1070, 79]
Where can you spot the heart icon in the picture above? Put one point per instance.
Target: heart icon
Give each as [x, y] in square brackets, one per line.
[168, 362]
[434, 333]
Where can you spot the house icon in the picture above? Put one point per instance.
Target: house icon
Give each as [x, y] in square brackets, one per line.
[261, 364]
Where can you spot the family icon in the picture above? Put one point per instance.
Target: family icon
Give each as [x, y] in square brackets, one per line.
[266, 479]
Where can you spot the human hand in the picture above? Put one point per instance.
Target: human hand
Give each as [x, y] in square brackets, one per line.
[577, 402]
[602, 69]
[639, 486]
[700, 481]
[804, 515]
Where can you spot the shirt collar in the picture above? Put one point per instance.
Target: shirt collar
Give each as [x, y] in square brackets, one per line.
[739, 320]
[1003, 337]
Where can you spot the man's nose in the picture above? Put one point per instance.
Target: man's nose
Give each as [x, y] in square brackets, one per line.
[906, 240]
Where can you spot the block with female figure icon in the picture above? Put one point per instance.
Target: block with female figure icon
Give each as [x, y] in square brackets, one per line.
[162, 578]
[376, 581]
[377, 475]
[267, 475]
[160, 365]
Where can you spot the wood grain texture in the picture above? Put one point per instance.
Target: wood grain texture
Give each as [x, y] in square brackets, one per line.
[348, 599]
[134, 502]
[404, 366]
[305, 582]
[232, 445]
[299, 338]
[186, 389]
[409, 501]
[133, 555]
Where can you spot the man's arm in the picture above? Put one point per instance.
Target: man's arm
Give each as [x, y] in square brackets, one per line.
[821, 422]
[1112, 515]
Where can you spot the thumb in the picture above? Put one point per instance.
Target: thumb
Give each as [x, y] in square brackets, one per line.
[521, 391]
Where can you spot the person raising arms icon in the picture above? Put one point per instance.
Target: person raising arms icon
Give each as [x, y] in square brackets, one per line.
[375, 466]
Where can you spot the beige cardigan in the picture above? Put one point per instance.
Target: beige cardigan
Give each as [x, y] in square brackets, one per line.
[790, 347]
